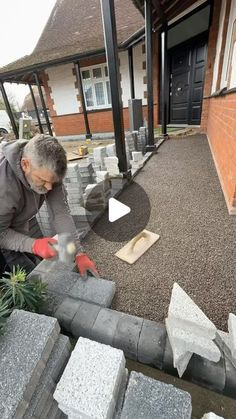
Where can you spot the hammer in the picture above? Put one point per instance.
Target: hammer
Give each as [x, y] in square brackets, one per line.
[65, 247]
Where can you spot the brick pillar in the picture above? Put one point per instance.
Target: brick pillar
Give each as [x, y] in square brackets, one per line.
[212, 40]
[49, 100]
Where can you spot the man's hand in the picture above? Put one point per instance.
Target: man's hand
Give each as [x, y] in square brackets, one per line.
[84, 265]
[43, 248]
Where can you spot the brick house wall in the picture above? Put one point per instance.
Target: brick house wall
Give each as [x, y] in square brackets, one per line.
[99, 121]
[219, 115]
[221, 131]
[60, 101]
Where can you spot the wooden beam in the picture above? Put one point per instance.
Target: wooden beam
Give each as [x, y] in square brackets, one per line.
[160, 11]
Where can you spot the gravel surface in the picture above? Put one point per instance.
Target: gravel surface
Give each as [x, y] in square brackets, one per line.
[197, 247]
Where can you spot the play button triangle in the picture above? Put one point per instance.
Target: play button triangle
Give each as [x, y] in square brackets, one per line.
[117, 210]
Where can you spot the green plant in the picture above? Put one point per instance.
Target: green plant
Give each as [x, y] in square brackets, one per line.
[4, 313]
[19, 292]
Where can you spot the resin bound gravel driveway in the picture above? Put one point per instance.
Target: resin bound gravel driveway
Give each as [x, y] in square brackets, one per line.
[197, 247]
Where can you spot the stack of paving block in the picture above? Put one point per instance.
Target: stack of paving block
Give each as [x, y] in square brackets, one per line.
[73, 186]
[86, 173]
[83, 219]
[44, 221]
[96, 166]
[189, 331]
[142, 139]
[137, 160]
[116, 184]
[95, 198]
[72, 174]
[101, 175]
[111, 164]
[227, 341]
[94, 385]
[34, 228]
[33, 355]
[130, 144]
[111, 150]
[99, 155]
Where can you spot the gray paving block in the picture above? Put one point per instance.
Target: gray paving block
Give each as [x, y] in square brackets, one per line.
[121, 395]
[230, 382]
[66, 312]
[59, 357]
[127, 335]
[84, 319]
[188, 341]
[105, 326]
[54, 265]
[47, 407]
[60, 282]
[206, 373]
[94, 290]
[53, 412]
[53, 300]
[90, 384]
[41, 398]
[151, 345]
[151, 399]
[24, 350]
[186, 314]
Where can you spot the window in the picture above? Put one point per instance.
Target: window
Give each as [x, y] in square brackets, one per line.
[96, 86]
[229, 46]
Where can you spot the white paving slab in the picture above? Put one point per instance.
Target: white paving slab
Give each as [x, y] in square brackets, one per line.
[190, 342]
[181, 358]
[211, 415]
[232, 333]
[90, 383]
[185, 313]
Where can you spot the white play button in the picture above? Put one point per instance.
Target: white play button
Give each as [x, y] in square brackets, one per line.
[117, 210]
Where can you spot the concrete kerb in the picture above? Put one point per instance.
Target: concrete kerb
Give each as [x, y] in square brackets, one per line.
[144, 341]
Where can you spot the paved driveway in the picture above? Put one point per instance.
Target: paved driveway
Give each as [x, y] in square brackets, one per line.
[197, 248]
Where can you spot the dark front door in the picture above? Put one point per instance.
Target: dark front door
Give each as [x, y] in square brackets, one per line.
[187, 69]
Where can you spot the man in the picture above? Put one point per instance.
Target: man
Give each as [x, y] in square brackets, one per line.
[30, 173]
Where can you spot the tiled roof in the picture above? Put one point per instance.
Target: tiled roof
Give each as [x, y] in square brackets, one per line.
[75, 27]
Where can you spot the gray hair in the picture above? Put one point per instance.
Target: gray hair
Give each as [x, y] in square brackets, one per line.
[45, 151]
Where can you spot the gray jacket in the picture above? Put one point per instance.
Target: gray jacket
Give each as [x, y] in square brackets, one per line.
[18, 203]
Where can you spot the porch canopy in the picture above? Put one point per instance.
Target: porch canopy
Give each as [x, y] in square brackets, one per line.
[76, 31]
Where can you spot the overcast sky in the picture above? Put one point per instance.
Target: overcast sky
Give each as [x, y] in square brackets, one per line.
[22, 22]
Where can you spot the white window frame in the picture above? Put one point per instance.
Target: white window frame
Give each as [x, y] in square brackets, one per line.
[104, 79]
[228, 47]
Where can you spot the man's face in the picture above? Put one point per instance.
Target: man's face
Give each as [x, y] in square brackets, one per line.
[41, 180]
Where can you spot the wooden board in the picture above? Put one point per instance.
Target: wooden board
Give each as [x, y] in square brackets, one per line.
[136, 247]
[73, 156]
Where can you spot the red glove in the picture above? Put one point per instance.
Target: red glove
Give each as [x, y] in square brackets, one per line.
[42, 248]
[85, 264]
